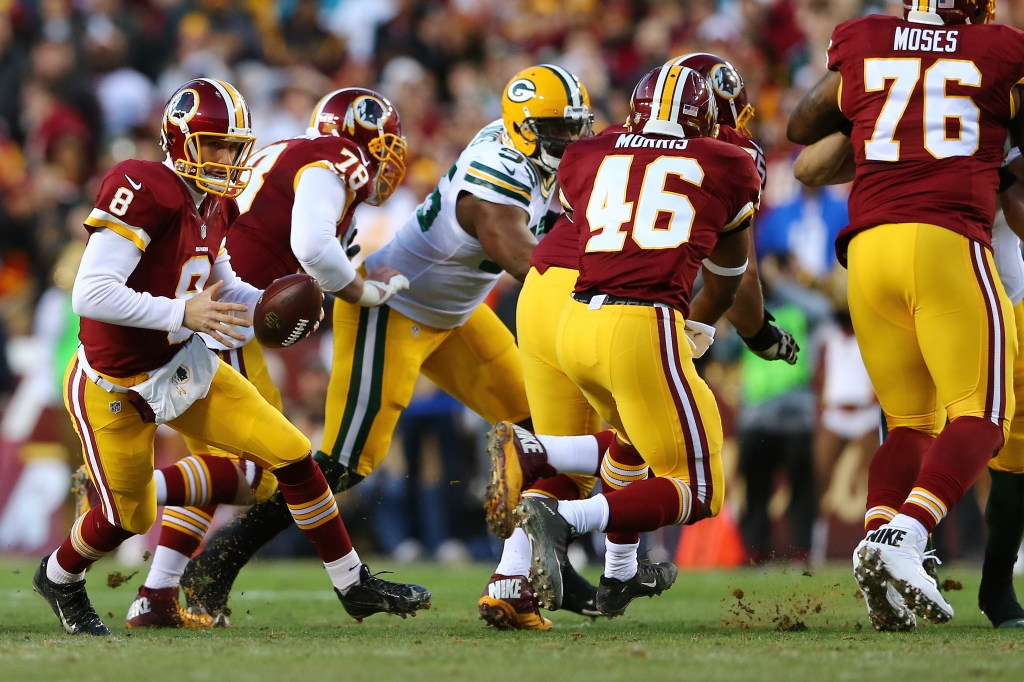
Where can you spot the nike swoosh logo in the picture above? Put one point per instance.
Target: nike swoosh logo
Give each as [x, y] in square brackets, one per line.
[135, 185]
[509, 170]
[652, 584]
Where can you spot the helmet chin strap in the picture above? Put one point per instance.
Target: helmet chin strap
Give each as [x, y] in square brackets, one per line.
[548, 162]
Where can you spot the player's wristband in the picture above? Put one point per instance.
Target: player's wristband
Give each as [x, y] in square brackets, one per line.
[722, 271]
[765, 336]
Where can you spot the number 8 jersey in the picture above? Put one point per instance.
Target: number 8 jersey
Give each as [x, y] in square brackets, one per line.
[650, 209]
[148, 204]
[929, 106]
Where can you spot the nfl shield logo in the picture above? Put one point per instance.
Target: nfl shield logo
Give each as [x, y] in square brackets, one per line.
[115, 407]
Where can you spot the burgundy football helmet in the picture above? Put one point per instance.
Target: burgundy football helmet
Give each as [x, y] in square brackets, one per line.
[368, 119]
[727, 85]
[949, 11]
[202, 110]
[673, 100]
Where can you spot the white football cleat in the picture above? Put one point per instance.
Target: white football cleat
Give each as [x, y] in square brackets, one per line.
[894, 556]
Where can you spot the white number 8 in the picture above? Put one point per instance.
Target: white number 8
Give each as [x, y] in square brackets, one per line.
[122, 198]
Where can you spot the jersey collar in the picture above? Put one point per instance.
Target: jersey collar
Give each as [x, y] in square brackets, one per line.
[197, 196]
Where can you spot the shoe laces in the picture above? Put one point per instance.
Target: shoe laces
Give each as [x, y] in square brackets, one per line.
[930, 554]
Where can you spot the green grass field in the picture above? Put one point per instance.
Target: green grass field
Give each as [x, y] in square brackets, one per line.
[288, 626]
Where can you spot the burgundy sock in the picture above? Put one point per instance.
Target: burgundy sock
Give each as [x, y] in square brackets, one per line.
[893, 472]
[951, 466]
[559, 486]
[199, 480]
[647, 505]
[91, 538]
[183, 529]
[622, 458]
[604, 441]
[311, 502]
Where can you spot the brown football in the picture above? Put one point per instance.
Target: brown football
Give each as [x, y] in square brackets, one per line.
[287, 311]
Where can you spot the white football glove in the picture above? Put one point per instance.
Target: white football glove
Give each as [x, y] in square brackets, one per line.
[378, 293]
[700, 336]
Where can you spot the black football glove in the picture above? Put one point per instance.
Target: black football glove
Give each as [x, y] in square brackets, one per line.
[351, 249]
[772, 342]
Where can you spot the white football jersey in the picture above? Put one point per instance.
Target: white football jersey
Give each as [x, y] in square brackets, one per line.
[449, 272]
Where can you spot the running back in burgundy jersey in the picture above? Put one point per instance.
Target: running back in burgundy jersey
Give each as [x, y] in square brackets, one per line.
[649, 210]
[260, 240]
[929, 106]
[146, 203]
[560, 246]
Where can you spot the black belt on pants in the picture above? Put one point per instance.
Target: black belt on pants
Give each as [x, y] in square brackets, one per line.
[588, 296]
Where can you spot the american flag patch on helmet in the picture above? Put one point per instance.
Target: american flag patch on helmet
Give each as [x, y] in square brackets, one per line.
[689, 110]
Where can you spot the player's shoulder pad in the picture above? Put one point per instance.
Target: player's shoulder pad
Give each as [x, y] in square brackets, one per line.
[150, 182]
[503, 170]
[138, 200]
[851, 32]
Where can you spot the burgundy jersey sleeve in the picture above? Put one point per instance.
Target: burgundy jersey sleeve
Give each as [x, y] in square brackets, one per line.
[135, 202]
[929, 107]
[735, 137]
[260, 239]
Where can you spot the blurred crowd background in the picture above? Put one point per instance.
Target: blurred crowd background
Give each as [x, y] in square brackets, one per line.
[82, 84]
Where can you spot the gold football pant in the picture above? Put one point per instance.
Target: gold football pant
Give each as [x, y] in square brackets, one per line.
[635, 366]
[378, 355]
[251, 364]
[557, 405]
[933, 324]
[118, 445]
[1011, 457]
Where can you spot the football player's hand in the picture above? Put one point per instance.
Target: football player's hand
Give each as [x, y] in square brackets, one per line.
[381, 285]
[204, 314]
[772, 342]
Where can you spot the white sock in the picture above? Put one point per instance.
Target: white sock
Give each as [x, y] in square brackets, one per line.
[168, 565]
[344, 572]
[58, 575]
[161, 488]
[910, 523]
[515, 555]
[587, 515]
[572, 454]
[620, 560]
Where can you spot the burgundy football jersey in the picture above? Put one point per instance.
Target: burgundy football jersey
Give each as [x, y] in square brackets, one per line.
[649, 210]
[260, 240]
[147, 203]
[560, 247]
[929, 106]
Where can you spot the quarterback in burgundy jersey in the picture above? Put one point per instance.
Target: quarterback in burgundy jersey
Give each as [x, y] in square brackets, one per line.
[299, 202]
[652, 204]
[927, 100]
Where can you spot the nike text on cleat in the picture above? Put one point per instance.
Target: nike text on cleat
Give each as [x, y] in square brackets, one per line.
[508, 603]
[613, 595]
[372, 595]
[518, 459]
[70, 603]
[549, 536]
[895, 556]
[160, 608]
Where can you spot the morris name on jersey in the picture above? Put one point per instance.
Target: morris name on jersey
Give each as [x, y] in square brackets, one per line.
[449, 273]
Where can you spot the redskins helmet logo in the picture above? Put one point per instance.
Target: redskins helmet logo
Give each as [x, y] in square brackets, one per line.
[521, 90]
[726, 81]
[183, 107]
[368, 112]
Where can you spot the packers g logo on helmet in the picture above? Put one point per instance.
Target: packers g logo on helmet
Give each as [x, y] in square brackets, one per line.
[521, 90]
[544, 109]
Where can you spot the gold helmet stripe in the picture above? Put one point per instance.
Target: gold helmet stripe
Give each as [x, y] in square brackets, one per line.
[227, 92]
[314, 119]
[572, 89]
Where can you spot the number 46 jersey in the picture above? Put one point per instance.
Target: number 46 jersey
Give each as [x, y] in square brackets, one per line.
[929, 106]
[650, 209]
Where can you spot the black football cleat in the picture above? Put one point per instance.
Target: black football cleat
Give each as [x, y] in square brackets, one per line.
[613, 595]
[372, 595]
[549, 536]
[578, 595]
[70, 603]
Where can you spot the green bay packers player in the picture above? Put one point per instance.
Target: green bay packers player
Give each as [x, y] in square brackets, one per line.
[480, 220]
